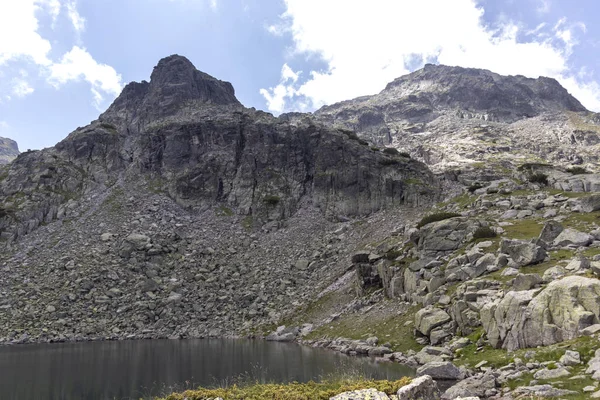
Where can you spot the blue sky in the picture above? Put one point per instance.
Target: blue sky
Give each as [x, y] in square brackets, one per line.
[62, 62]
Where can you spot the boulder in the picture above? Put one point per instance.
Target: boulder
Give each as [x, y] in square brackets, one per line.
[590, 203]
[542, 391]
[421, 388]
[556, 373]
[137, 240]
[570, 358]
[522, 252]
[445, 236]
[428, 318]
[571, 237]
[550, 231]
[364, 394]
[526, 281]
[559, 312]
[474, 386]
[441, 370]
[554, 273]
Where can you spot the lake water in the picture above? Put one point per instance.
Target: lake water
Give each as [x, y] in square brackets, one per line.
[139, 369]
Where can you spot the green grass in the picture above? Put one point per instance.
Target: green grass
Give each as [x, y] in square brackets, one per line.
[428, 219]
[224, 211]
[523, 229]
[582, 221]
[290, 391]
[361, 326]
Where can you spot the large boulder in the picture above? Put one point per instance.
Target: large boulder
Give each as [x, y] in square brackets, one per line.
[421, 388]
[137, 240]
[441, 370]
[559, 312]
[474, 386]
[550, 231]
[590, 203]
[427, 319]
[571, 237]
[522, 252]
[445, 236]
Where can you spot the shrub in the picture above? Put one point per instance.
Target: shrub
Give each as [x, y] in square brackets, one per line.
[551, 366]
[272, 200]
[577, 171]
[531, 166]
[391, 151]
[538, 177]
[393, 254]
[436, 217]
[475, 187]
[404, 154]
[484, 232]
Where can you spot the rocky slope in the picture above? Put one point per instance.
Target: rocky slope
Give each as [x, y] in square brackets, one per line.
[455, 118]
[181, 213]
[9, 150]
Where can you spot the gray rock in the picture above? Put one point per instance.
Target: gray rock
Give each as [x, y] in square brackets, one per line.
[554, 273]
[428, 318]
[544, 374]
[474, 386]
[550, 231]
[526, 281]
[523, 253]
[570, 358]
[420, 388]
[443, 370]
[590, 203]
[364, 394]
[572, 237]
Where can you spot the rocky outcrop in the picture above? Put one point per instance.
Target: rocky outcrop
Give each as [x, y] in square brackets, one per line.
[444, 236]
[421, 388]
[9, 150]
[559, 312]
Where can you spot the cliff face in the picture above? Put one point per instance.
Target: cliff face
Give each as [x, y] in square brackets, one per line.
[9, 150]
[452, 117]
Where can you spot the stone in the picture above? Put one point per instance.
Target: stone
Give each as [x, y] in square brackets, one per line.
[360, 257]
[542, 391]
[572, 237]
[441, 370]
[523, 253]
[590, 203]
[137, 240]
[364, 394]
[474, 386]
[558, 313]
[550, 231]
[578, 264]
[428, 318]
[445, 236]
[302, 264]
[50, 309]
[105, 237]
[591, 330]
[526, 281]
[544, 374]
[554, 273]
[420, 388]
[570, 358]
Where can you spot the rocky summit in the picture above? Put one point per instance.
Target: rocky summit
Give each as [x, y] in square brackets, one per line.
[9, 150]
[450, 223]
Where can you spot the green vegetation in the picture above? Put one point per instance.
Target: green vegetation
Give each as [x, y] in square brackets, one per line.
[290, 391]
[538, 177]
[577, 171]
[224, 211]
[531, 166]
[248, 222]
[109, 127]
[404, 154]
[484, 232]
[394, 329]
[523, 229]
[436, 217]
[272, 200]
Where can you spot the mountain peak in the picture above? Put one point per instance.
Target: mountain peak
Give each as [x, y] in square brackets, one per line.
[9, 150]
[174, 81]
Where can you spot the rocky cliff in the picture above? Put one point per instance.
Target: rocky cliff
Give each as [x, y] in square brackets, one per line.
[9, 150]
[453, 117]
[172, 212]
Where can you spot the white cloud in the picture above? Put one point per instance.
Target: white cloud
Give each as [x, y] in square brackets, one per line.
[3, 125]
[76, 19]
[367, 45]
[21, 88]
[21, 42]
[276, 96]
[78, 65]
[18, 32]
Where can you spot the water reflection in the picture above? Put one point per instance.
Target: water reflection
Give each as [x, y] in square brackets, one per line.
[134, 369]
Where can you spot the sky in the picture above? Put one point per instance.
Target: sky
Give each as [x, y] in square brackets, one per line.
[62, 62]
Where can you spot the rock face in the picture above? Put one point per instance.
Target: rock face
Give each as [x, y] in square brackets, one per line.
[449, 116]
[158, 215]
[559, 312]
[9, 150]
[421, 388]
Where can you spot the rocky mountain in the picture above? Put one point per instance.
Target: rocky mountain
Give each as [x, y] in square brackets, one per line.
[9, 150]
[455, 118]
[171, 215]
[180, 213]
